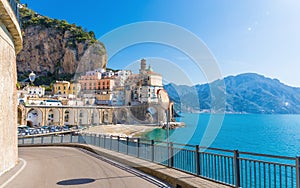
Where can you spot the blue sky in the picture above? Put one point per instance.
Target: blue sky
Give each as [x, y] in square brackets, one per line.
[244, 36]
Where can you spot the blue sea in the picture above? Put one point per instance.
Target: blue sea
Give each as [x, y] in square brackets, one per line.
[268, 134]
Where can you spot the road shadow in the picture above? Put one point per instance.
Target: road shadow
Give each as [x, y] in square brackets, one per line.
[78, 181]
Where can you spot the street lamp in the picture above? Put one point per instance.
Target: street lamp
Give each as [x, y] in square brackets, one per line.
[32, 77]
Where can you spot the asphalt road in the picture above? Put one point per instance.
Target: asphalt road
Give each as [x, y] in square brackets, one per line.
[70, 167]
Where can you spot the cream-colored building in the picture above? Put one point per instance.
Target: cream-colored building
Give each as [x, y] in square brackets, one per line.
[10, 46]
[142, 88]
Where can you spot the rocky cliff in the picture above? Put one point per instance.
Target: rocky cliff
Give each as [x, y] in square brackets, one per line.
[54, 49]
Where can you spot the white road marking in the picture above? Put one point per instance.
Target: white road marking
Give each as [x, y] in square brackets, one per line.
[15, 175]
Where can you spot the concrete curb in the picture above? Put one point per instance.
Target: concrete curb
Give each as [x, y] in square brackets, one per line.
[174, 177]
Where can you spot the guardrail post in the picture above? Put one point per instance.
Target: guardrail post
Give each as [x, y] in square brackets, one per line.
[42, 139]
[32, 140]
[171, 154]
[110, 142]
[52, 139]
[152, 150]
[197, 162]
[23, 140]
[99, 137]
[118, 149]
[71, 137]
[127, 144]
[138, 148]
[104, 138]
[236, 166]
[61, 138]
[298, 172]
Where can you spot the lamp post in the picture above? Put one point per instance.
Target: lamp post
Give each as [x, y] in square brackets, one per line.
[32, 77]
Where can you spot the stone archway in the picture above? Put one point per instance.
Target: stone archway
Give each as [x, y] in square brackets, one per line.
[53, 117]
[105, 117]
[34, 117]
[69, 117]
[95, 117]
[83, 117]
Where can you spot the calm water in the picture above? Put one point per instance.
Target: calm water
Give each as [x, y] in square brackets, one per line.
[270, 134]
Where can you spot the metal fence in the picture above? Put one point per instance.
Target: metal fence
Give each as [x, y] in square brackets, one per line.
[230, 167]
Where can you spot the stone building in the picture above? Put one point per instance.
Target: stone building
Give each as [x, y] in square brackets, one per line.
[142, 88]
[10, 46]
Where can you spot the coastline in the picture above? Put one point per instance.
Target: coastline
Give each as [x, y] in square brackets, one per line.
[122, 130]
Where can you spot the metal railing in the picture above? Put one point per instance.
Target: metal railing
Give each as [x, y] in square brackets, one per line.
[15, 8]
[229, 167]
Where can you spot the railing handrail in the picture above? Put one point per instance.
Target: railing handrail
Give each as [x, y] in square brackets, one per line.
[191, 146]
[230, 168]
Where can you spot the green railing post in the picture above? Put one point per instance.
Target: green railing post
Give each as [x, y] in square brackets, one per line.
[152, 150]
[197, 162]
[52, 139]
[42, 139]
[236, 166]
[32, 140]
[71, 138]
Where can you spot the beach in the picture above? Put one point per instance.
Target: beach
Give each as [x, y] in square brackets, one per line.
[121, 130]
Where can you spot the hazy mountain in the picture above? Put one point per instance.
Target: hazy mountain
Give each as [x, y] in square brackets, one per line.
[245, 93]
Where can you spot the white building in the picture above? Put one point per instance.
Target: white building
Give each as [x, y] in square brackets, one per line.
[35, 91]
[121, 76]
[108, 74]
[96, 74]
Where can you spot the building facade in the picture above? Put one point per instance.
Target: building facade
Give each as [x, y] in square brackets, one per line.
[35, 91]
[142, 88]
[10, 46]
[66, 88]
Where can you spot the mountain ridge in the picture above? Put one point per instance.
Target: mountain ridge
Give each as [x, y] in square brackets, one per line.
[245, 93]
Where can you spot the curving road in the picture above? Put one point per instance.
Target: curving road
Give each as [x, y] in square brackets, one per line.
[71, 167]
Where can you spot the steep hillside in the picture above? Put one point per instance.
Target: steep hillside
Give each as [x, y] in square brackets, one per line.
[245, 93]
[55, 49]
